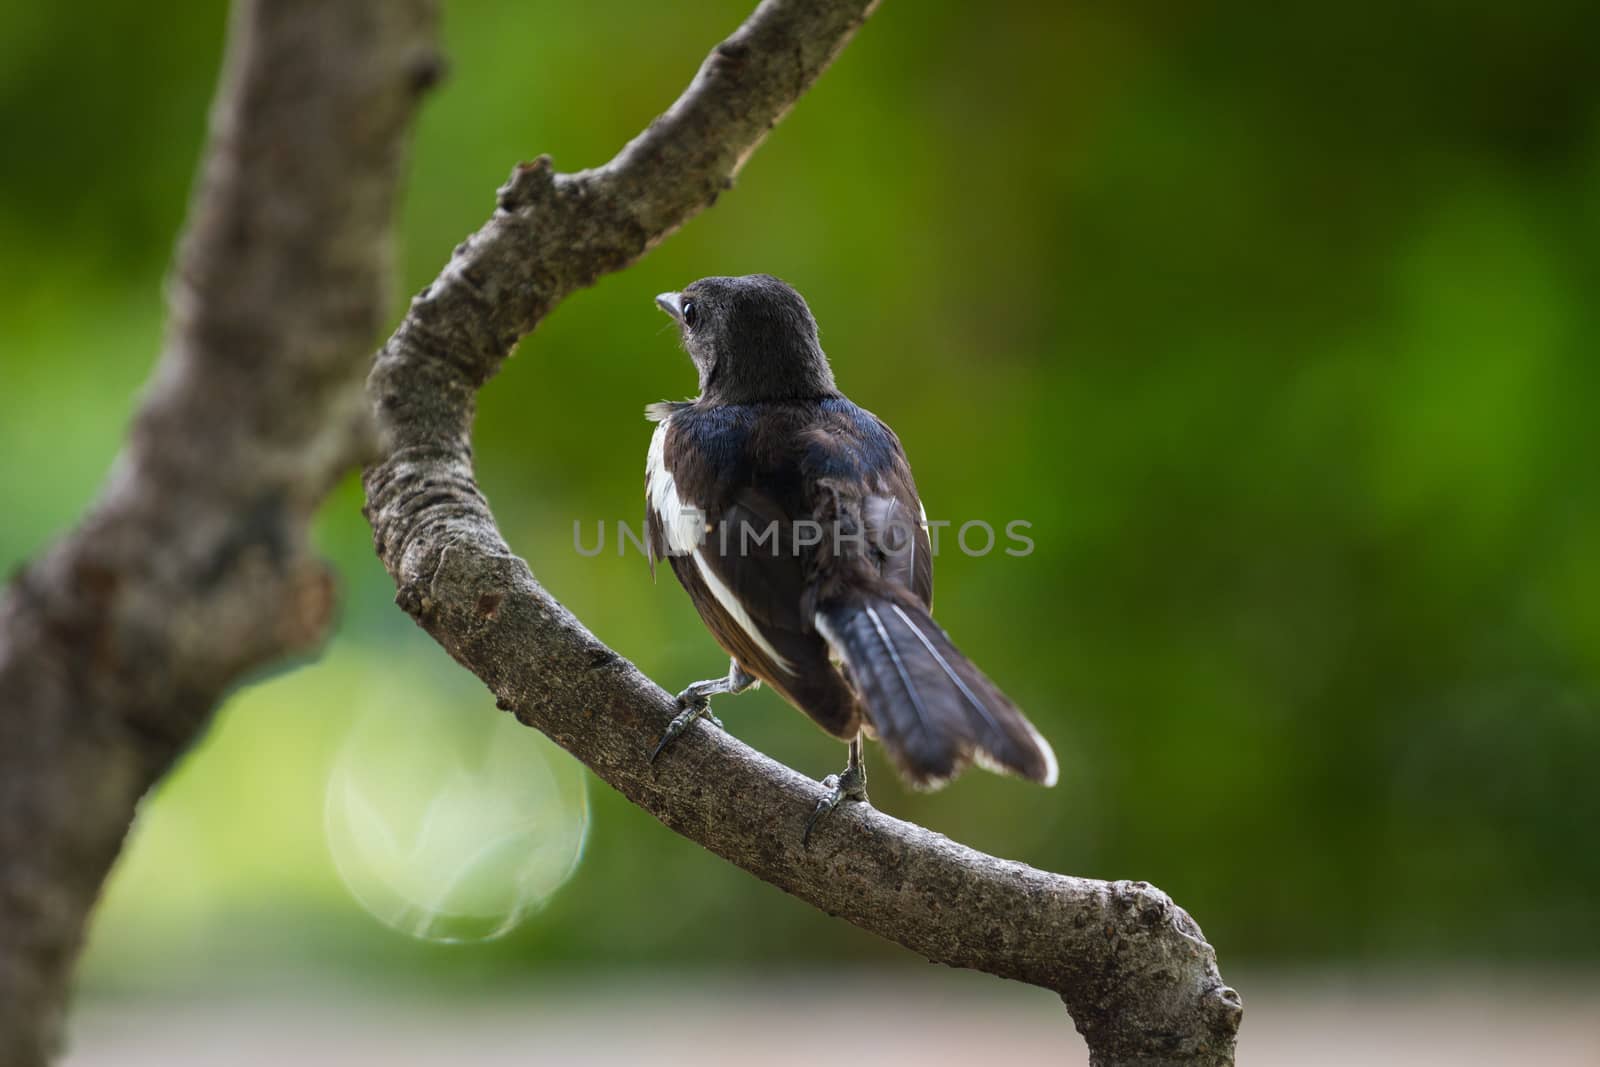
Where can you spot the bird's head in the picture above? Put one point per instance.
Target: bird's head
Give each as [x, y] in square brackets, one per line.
[751, 338]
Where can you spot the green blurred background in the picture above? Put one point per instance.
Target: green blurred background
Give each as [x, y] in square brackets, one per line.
[1275, 322]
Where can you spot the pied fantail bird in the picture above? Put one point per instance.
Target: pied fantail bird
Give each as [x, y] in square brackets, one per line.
[791, 517]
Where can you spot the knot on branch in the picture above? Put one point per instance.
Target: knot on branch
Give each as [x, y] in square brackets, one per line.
[424, 69]
[1163, 996]
[414, 601]
[1149, 909]
[529, 184]
[1225, 1010]
[730, 55]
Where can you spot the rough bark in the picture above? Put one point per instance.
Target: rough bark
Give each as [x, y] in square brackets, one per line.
[1135, 973]
[192, 569]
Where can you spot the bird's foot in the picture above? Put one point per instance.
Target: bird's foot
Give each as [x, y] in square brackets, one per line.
[850, 785]
[695, 705]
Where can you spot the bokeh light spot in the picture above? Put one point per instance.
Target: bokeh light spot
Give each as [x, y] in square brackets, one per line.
[450, 825]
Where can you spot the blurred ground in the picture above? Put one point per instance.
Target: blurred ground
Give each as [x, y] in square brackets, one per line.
[811, 1020]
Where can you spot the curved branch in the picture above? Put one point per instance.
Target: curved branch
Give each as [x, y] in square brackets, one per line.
[1132, 967]
[194, 567]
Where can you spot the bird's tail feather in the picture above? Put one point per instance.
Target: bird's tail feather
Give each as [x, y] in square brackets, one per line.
[931, 707]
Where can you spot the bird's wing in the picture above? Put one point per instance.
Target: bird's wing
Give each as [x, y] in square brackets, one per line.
[733, 547]
[860, 478]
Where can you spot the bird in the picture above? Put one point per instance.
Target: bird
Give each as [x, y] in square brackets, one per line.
[791, 518]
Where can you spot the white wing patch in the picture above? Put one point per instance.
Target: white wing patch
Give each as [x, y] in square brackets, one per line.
[684, 527]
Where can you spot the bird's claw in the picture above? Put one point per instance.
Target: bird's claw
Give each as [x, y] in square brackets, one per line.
[693, 707]
[851, 785]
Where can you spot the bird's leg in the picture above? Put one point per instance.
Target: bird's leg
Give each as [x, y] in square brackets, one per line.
[851, 785]
[695, 702]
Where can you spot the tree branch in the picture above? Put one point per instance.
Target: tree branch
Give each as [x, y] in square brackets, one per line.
[1132, 967]
[193, 568]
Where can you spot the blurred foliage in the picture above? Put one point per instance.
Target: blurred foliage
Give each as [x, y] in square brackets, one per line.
[1276, 323]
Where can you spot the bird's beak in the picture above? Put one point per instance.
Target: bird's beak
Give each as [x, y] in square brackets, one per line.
[672, 304]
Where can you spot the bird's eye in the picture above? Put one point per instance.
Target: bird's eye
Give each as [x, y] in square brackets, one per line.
[691, 314]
